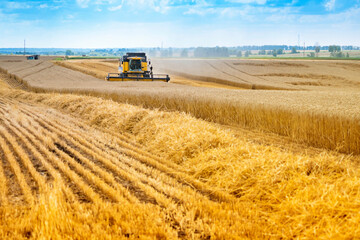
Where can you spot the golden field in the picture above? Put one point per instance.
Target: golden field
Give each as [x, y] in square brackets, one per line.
[277, 74]
[76, 167]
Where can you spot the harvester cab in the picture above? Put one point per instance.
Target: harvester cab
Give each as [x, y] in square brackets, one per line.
[136, 67]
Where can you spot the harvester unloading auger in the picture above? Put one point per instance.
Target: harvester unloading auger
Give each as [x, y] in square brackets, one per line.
[134, 67]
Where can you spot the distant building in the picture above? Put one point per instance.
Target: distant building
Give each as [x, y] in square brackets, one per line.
[33, 57]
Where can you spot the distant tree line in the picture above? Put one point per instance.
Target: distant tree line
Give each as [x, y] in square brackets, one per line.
[335, 51]
[239, 51]
[264, 47]
[211, 52]
[289, 48]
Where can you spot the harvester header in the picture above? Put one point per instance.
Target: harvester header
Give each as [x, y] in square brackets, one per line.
[136, 67]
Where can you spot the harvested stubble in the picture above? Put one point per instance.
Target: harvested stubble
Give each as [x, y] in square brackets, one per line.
[267, 74]
[97, 69]
[270, 193]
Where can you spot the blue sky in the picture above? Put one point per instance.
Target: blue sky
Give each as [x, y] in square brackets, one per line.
[177, 23]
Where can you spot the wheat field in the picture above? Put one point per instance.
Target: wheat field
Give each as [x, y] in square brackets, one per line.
[79, 167]
[321, 75]
[317, 114]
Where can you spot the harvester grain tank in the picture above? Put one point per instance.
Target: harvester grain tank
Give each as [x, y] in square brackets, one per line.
[136, 67]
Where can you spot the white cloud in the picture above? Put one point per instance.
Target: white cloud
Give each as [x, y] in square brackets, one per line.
[161, 6]
[6, 18]
[248, 1]
[348, 17]
[83, 3]
[248, 13]
[330, 5]
[115, 8]
[200, 11]
[17, 5]
[100, 2]
[43, 5]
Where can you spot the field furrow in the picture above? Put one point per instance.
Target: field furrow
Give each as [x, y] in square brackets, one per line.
[144, 172]
[26, 189]
[103, 161]
[24, 156]
[96, 169]
[3, 182]
[77, 162]
[13, 192]
[107, 173]
[104, 156]
[121, 142]
[65, 169]
[42, 154]
[115, 164]
[116, 188]
[126, 163]
[166, 167]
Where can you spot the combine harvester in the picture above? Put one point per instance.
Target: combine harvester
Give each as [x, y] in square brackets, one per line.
[134, 67]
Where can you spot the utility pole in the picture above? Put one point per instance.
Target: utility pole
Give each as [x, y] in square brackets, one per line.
[304, 50]
[299, 41]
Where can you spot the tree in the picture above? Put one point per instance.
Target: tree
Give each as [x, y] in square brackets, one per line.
[211, 52]
[69, 53]
[274, 53]
[293, 50]
[247, 53]
[152, 52]
[184, 53]
[317, 50]
[279, 51]
[312, 54]
[164, 53]
[262, 52]
[337, 54]
[239, 54]
[347, 55]
[335, 51]
[334, 48]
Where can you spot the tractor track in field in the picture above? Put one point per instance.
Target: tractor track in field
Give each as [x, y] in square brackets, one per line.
[25, 68]
[238, 70]
[226, 73]
[38, 71]
[40, 147]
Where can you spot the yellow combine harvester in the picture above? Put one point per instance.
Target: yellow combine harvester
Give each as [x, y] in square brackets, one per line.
[134, 67]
